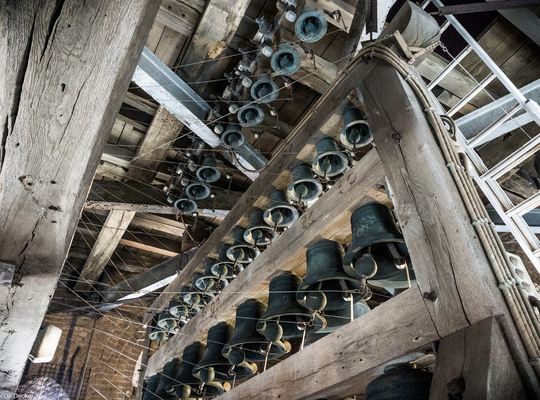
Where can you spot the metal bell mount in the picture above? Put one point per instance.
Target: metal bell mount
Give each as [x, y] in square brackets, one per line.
[304, 187]
[356, 132]
[185, 385]
[233, 136]
[286, 60]
[224, 266]
[246, 344]
[198, 191]
[250, 115]
[326, 286]
[166, 321]
[258, 231]
[400, 381]
[241, 251]
[159, 335]
[264, 90]
[280, 213]
[184, 205]
[377, 250]
[151, 388]
[208, 171]
[213, 365]
[284, 317]
[170, 370]
[329, 160]
[310, 26]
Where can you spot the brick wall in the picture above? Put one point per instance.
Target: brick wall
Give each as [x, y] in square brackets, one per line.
[111, 361]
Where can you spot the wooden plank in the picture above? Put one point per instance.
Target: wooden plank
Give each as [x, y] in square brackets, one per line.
[133, 123]
[148, 247]
[169, 46]
[178, 16]
[477, 357]
[144, 105]
[328, 218]
[344, 362]
[59, 102]
[155, 222]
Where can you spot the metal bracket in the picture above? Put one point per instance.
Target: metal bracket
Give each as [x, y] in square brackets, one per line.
[408, 50]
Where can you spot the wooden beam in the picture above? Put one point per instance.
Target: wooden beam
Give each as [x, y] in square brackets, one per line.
[328, 218]
[179, 15]
[54, 86]
[474, 363]
[139, 103]
[344, 362]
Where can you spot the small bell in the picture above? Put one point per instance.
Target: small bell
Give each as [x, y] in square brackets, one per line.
[355, 132]
[311, 26]
[326, 284]
[184, 205]
[280, 213]
[286, 60]
[170, 370]
[151, 388]
[258, 231]
[158, 335]
[241, 251]
[265, 90]
[224, 266]
[233, 136]
[192, 296]
[250, 115]
[329, 160]
[246, 344]
[180, 309]
[166, 321]
[208, 283]
[198, 191]
[284, 310]
[377, 250]
[208, 172]
[217, 337]
[303, 187]
[400, 381]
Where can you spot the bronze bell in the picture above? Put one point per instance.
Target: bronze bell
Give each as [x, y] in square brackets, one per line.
[208, 283]
[378, 251]
[246, 343]
[310, 26]
[166, 321]
[241, 251]
[185, 385]
[250, 115]
[280, 213]
[151, 388]
[284, 314]
[258, 231]
[208, 171]
[198, 191]
[264, 90]
[194, 297]
[224, 266]
[233, 136]
[180, 309]
[286, 60]
[355, 132]
[170, 370]
[326, 286]
[303, 187]
[214, 363]
[400, 381]
[184, 205]
[329, 160]
[159, 335]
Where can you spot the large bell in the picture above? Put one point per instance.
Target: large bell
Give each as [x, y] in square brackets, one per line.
[233, 136]
[280, 213]
[198, 191]
[265, 90]
[208, 171]
[208, 283]
[310, 26]
[241, 251]
[166, 321]
[355, 132]
[329, 160]
[159, 335]
[246, 343]
[258, 231]
[303, 187]
[286, 60]
[224, 267]
[184, 205]
[400, 382]
[250, 115]
[377, 250]
[186, 386]
[326, 285]
[214, 363]
[170, 370]
[284, 317]
[151, 388]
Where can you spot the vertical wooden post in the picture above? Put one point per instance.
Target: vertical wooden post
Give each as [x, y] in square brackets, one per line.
[65, 66]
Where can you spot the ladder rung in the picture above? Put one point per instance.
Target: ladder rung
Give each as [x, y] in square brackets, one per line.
[477, 140]
[473, 93]
[450, 66]
[537, 253]
[525, 206]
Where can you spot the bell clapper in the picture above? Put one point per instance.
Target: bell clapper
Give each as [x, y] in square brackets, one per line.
[303, 335]
[267, 353]
[352, 308]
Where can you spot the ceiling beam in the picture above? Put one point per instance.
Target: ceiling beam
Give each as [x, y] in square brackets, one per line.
[180, 16]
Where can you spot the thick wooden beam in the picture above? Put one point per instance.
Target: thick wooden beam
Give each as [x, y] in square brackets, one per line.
[344, 362]
[180, 16]
[54, 85]
[328, 218]
[474, 363]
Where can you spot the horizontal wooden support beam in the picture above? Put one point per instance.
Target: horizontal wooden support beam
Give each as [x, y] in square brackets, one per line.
[180, 16]
[344, 362]
[328, 218]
